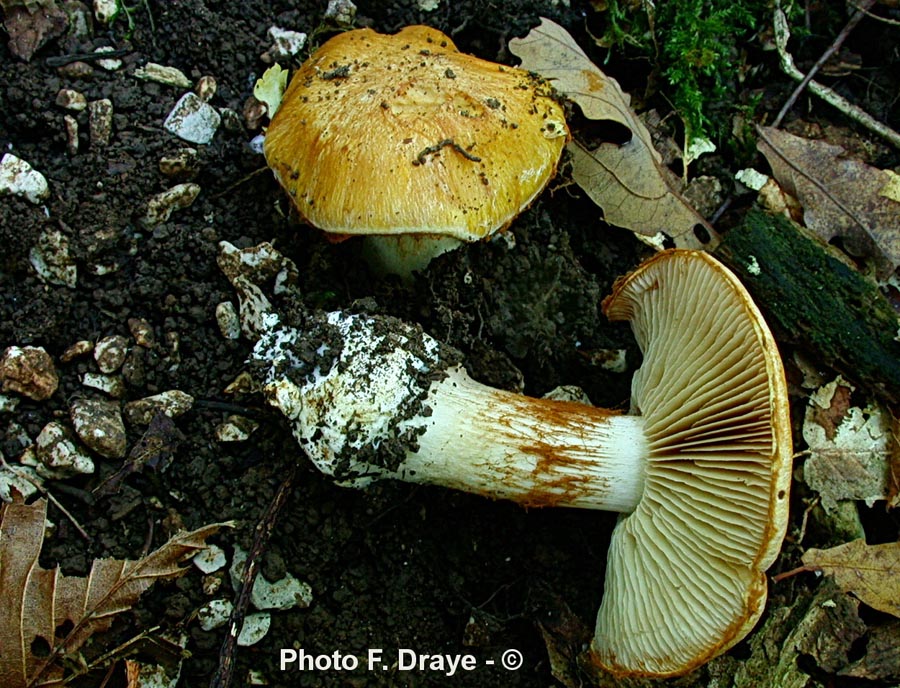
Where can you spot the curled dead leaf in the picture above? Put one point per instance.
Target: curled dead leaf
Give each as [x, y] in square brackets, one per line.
[841, 197]
[629, 180]
[46, 615]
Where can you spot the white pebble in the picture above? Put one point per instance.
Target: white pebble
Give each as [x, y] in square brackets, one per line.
[19, 178]
[58, 454]
[210, 559]
[161, 206]
[285, 43]
[162, 74]
[173, 403]
[113, 385]
[214, 614]
[254, 629]
[110, 64]
[106, 10]
[110, 353]
[23, 478]
[193, 120]
[235, 429]
[228, 320]
[51, 260]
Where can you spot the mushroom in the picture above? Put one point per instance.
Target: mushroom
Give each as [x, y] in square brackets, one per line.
[405, 138]
[699, 469]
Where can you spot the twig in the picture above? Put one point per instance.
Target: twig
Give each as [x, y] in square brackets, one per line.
[872, 15]
[790, 574]
[857, 114]
[242, 180]
[832, 49]
[225, 671]
[44, 491]
[110, 657]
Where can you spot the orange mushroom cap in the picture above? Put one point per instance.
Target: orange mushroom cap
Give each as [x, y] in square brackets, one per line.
[395, 134]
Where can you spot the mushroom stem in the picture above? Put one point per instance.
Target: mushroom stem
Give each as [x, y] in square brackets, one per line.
[701, 469]
[382, 399]
[537, 452]
[404, 254]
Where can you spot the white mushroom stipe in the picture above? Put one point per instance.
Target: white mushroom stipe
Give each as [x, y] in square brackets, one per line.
[382, 399]
[700, 468]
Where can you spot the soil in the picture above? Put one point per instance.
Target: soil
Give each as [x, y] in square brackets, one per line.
[393, 566]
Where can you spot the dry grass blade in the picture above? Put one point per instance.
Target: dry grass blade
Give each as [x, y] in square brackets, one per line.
[629, 181]
[47, 615]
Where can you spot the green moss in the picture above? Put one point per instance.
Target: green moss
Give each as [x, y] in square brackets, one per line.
[696, 47]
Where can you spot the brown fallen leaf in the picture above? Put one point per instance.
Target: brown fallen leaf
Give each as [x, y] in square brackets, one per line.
[870, 572]
[565, 637]
[841, 197]
[628, 181]
[893, 495]
[849, 447]
[46, 616]
[31, 24]
[154, 451]
[821, 628]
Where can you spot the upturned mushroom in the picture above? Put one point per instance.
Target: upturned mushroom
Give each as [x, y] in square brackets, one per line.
[699, 469]
[404, 138]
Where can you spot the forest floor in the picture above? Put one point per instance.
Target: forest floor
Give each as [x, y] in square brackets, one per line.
[393, 566]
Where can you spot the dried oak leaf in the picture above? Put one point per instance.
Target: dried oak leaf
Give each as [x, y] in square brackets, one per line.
[841, 196]
[849, 447]
[870, 572]
[46, 616]
[628, 181]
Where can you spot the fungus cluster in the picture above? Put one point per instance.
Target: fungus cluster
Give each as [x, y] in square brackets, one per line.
[407, 139]
[699, 469]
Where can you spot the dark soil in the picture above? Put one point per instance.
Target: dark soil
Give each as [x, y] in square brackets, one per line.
[394, 566]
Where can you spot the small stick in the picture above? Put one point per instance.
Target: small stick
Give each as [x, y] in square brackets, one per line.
[883, 20]
[62, 60]
[790, 574]
[225, 671]
[857, 114]
[44, 491]
[832, 49]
